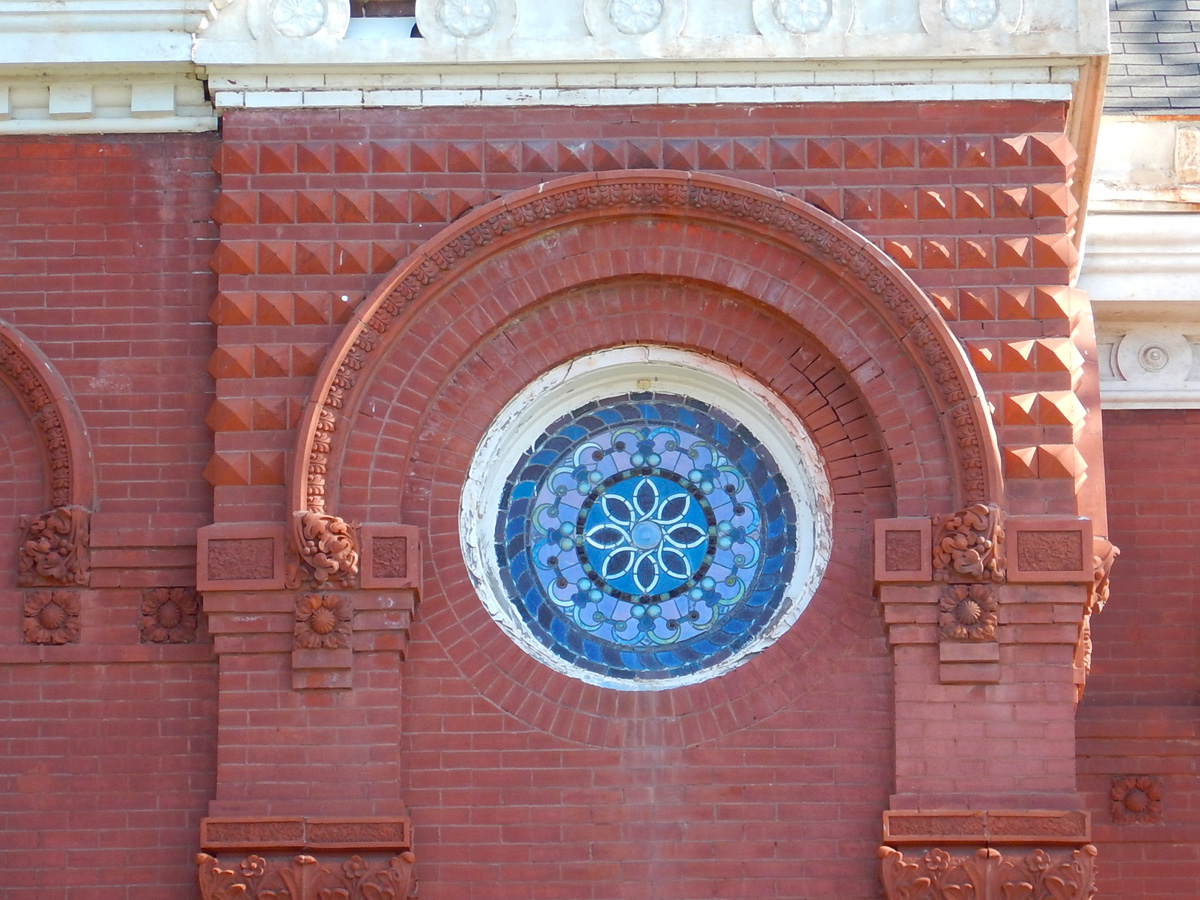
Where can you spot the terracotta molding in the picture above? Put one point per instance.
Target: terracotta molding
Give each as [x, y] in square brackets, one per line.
[271, 876]
[44, 395]
[986, 826]
[54, 547]
[914, 321]
[300, 833]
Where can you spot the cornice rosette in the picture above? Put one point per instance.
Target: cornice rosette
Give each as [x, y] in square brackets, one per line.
[914, 320]
[988, 874]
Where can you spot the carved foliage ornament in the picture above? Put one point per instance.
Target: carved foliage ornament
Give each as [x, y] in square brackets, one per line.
[989, 875]
[51, 617]
[169, 615]
[323, 622]
[327, 548]
[535, 211]
[967, 612]
[1136, 800]
[54, 548]
[967, 545]
[307, 878]
[1104, 554]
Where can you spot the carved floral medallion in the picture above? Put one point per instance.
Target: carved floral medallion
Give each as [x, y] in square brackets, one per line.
[635, 16]
[971, 15]
[323, 622]
[51, 617]
[1136, 800]
[298, 18]
[169, 615]
[467, 18]
[802, 16]
[967, 612]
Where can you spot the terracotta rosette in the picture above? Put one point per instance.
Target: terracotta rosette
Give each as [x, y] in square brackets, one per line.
[967, 612]
[52, 617]
[1136, 800]
[169, 615]
[323, 622]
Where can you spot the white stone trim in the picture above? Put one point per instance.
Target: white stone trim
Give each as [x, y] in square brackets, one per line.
[105, 105]
[643, 368]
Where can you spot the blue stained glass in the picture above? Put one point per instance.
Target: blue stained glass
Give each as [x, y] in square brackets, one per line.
[646, 536]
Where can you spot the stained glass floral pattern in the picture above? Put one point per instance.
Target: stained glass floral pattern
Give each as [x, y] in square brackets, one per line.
[646, 536]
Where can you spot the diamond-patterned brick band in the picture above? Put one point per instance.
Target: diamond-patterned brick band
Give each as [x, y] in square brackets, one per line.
[646, 537]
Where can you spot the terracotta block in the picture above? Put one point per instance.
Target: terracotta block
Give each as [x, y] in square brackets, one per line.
[1049, 549]
[391, 556]
[239, 557]
[903, 550]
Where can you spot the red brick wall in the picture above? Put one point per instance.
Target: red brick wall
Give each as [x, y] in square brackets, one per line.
[1139, 715]
[107, 746]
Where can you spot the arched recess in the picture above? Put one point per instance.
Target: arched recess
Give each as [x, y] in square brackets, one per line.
[54, 547]
[510, 235]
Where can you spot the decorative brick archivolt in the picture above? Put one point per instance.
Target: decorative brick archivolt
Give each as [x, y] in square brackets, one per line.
[916, 328]
[53, 547]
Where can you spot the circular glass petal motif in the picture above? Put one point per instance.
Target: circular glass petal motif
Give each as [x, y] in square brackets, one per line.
[646, 537]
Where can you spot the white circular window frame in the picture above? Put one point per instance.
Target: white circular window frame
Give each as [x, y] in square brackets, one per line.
[622, 370]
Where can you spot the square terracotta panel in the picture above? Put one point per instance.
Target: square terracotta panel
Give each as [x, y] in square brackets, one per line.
[903, 550]
[391, 556]
[239, 557]
[1054, 549]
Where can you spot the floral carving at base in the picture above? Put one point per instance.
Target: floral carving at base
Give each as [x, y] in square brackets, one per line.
[967, 545]
[967, 612]
[1136, 800]
[323, 622]
[327, 549]
[303, 877]
[51, 617]
[987, 874]
[54, 548]
[169, 615]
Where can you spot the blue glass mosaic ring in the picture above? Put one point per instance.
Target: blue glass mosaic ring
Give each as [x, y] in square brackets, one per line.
[646, 536]
[644, 518]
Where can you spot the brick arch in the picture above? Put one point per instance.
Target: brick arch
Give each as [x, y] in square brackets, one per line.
[46, 400]
[676, 225]
[417, 461]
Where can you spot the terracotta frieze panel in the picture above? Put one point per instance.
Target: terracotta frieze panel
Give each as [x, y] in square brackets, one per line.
[239, 557]
[273, 876]
[948, 377]
[955, 826]
[989, 874]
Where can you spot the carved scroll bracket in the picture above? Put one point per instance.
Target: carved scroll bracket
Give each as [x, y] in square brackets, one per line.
[327, 551]
[54, 548]
[969, 545]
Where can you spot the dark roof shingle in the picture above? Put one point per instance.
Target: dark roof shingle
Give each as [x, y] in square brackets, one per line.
[1155, 66]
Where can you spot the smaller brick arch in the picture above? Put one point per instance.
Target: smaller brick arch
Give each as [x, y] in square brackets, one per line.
[46, 399]
[918, 334]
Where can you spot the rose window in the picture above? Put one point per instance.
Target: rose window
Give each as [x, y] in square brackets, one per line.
[643, 539]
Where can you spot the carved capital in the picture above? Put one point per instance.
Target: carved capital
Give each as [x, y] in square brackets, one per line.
[273, 876]
[968, 545]
[327, 550]
[988, 874]
[54, 548]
